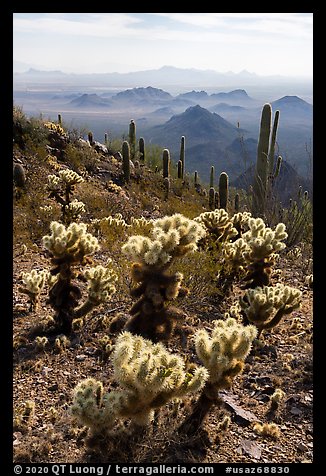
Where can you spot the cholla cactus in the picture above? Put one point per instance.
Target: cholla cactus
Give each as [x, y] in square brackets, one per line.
[259, 246]
[240, 222]
[141, 224]
[171, 237]
[74, 210]
[151, 376]
[69, 247]
[56, 128]
[148, 376]
[223, 354]
[93, 409]
[218, 224]
[100, 288]
[72, 243]
[61, 187]
[265, 306]
[33, 285]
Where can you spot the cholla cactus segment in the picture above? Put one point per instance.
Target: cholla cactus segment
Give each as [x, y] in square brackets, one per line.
[224, 351]
[172, 236]
[73, 242]
[93, 409]
[69, 177]
[34, 281]
[141, 224]
[265, 306]
[52, 126]
[101, 283]
[218, 223]
[75, 209]
[151, 376]
[240, 221]
[54, 183]
[262, 240]
[234, 254]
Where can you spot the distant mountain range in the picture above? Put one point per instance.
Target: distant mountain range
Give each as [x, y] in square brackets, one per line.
[151, 97]
[166, 75]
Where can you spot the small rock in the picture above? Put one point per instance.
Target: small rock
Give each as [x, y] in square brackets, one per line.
[302, 447]
[81, 357]
[251, 448]
[296, 411]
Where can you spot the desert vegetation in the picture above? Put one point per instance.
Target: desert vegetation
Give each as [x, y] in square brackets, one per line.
[156, 318]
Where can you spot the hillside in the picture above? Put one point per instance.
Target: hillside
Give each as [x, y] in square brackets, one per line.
[48, 363]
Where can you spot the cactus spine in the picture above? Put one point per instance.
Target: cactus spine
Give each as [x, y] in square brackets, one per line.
[132, 138]
[141, 145]
[182, 157]
[166, 163]
[223, 187]
[126, 161]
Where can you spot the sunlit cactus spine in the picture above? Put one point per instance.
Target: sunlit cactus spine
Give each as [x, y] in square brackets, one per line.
[132, 138]
[211, 177]
[166, 163]
[223, 188]
[182, 157]
[126, 161]
[141, 145]
[211, 198]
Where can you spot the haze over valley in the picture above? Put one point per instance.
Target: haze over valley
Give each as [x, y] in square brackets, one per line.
[220, 122]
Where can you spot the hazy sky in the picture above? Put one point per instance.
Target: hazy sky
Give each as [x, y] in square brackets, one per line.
[264, 43]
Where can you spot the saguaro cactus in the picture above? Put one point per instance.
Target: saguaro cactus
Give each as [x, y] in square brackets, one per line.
[166, 163]
[211, 178]
[141, 145]
[179, 169]
[19, 176]
[132, 138]
[223, 187]
[182, 156]
[263, 178]
[211, 198]
[126, 161]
